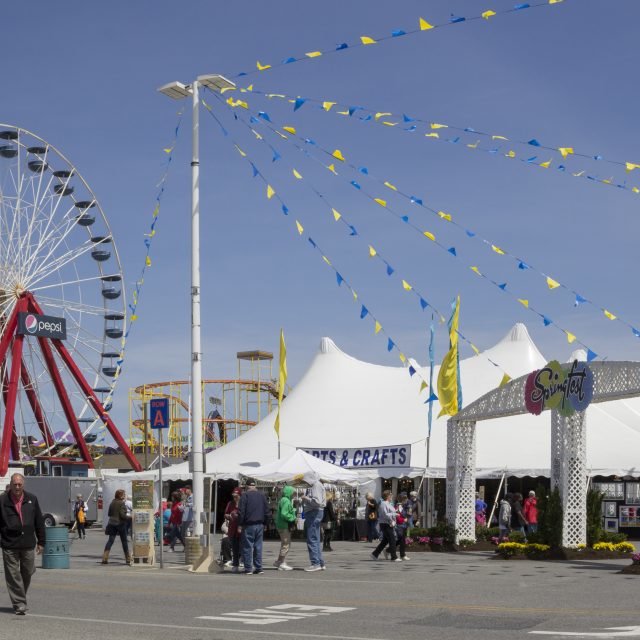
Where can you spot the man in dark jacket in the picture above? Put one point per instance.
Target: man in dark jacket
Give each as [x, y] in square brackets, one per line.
[21, 537]
[253, 515]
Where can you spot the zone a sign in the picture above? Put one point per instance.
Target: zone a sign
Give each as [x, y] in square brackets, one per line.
[32, 324]
[555, 387]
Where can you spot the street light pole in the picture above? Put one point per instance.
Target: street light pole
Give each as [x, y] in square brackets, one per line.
[196, 352]
[178, 91]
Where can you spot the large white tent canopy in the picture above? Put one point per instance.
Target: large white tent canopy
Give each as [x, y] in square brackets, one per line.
[356, 412]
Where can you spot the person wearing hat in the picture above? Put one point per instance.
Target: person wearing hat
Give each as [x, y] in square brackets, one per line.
[530, 512]
[253, 515]
[231, 518]
[286, 517]
[80, 516]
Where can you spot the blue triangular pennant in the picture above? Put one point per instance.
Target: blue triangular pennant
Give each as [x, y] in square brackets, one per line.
[288, 60]
[390, 269]
[312, 243]
[579, 300]
[635, 332]
[407, 118]
[363, 170]
[298, 103]
[276, 156]
[264, 115]
[452, 251]
[423, 303]
[547, 321]
[355, 184]
[502, 286]
[412, 371]
[339, 278]
[353, 230]
[364, 312]
[397, 33]
[591, 355]
[416, 200]
[285, 209]
[533, 142]
[523, 265]
[390, 344]
[471, 234]
[342, 46]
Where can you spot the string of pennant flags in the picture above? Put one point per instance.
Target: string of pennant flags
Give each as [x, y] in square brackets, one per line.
[365, 310]
[522, 264]
[148, 242]
[337, 155]
[338, 217]
[421, 26]
[470, 138]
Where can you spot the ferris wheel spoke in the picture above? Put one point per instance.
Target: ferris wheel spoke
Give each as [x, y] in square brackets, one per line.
[70, 282]
[57, 264]
[70, 305]
[52, 238]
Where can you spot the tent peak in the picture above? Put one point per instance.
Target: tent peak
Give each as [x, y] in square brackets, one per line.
[517, 333]
[579, 354]
[327, 345]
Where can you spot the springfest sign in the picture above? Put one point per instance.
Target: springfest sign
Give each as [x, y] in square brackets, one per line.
[371, 457]
[554, 387]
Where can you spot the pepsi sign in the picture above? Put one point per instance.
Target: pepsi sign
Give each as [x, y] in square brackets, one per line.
[32, 324]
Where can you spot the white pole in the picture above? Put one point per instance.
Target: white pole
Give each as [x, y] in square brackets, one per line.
[160, 509]
[196, 354]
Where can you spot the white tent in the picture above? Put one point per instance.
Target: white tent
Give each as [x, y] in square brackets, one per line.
[346, 410]
[302, 467]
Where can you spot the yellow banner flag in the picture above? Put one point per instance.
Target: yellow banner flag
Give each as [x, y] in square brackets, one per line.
[449, 390]
[424, 25]
[282, 380]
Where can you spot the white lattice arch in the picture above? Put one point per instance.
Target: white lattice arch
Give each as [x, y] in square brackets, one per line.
[611, 381]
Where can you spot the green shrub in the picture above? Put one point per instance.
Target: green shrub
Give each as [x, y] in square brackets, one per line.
[486, 533]
[594, 517]
[465, 543]
[517, 536]
[614, 538]
[550, 519]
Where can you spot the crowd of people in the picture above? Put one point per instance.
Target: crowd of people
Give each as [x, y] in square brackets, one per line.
[389, 521]
[248, 513]
[513, 515]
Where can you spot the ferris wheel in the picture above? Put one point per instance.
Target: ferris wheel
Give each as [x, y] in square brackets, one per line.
[62, 306]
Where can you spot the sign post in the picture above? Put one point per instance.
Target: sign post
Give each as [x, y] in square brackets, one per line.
[159, 412]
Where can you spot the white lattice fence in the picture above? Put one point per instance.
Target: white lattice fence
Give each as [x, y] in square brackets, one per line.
[461, 477]
[573, 486]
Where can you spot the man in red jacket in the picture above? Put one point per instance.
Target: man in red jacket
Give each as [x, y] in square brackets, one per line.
[21, 537]
[530, 512]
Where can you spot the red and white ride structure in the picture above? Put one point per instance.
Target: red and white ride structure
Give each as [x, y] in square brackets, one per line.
[57, 260]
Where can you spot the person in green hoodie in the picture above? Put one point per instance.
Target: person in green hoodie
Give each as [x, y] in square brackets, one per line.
[285, 516]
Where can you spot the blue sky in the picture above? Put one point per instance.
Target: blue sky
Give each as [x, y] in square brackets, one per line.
[84, 77]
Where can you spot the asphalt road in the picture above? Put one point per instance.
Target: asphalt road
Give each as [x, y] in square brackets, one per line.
[432, 596]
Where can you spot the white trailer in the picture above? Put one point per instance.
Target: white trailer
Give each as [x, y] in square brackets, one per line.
[56, 496]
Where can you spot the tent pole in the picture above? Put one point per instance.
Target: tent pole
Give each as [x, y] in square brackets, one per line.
[495, 502]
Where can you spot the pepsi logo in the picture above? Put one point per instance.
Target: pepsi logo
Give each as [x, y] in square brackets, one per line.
[31, 323]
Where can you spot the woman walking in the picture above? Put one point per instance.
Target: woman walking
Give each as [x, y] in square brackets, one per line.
[175, 522]
[80, 516]
[387, 522]
[328, 523]
[371, 516]
[117, 526]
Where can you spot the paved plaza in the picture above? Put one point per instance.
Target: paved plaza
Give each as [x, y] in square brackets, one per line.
[432, 596]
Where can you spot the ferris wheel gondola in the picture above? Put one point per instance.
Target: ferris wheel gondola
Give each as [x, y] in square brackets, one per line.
[58, 259]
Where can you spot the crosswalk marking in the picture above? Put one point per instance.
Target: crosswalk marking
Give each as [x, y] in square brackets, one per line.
[277, 613]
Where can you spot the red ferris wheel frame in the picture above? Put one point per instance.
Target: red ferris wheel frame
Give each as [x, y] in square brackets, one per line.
[19, 374]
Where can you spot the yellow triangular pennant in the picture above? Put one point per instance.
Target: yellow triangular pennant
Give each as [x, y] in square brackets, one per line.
[424, 25]
[552, 284]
